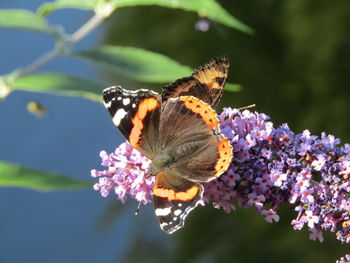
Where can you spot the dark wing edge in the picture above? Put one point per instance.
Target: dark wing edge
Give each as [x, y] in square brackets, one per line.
[174, 199]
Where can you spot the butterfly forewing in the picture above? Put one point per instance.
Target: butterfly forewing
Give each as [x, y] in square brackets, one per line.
[136, 114]
[206, 83]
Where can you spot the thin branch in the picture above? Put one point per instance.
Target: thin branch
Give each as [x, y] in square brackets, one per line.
[37, 63]
[62, 47]
[90, 25]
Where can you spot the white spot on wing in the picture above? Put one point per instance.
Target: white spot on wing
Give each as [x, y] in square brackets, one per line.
[119, 98]
[177, 212]
[133, 105]
[108, 105]
[126, 101]
[172, 226]
[118, 116]
[163, 211]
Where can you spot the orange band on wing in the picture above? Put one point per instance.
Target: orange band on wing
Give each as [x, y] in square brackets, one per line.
[203, 109]
[144, 107]
[225, 152]
[171, 195]
[210, 118]
[210, 78]
[214, 73]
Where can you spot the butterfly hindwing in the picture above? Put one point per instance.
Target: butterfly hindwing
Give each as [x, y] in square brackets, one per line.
[136, 114]
[206, 83]
[174, 198]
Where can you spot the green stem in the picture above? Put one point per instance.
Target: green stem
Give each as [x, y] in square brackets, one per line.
[90, 25]
[37, 63]
[60, 48]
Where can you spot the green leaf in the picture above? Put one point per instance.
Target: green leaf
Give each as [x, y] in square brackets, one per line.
[12, 175]
[205, 8]
[59, 84]
[25, 20]
[136, 63]
[5, 89]
[232, 87]
[49, 7]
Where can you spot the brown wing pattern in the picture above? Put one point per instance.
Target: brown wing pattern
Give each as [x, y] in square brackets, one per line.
[206, 83]
[190, 133]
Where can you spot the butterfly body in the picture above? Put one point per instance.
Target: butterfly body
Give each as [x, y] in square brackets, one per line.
[179, 131]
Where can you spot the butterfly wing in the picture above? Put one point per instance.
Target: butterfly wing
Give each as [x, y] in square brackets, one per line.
[206, 83]
[174, 198]
[136, 114]
[190, 133]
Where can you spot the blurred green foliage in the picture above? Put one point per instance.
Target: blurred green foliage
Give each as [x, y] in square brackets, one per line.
[295, 68]
[13, 175]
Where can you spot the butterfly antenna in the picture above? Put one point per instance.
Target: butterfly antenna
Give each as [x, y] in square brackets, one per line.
[138, 209]
[247, 107]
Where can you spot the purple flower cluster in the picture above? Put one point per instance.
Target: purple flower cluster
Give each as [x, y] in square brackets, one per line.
[273, 166]
[270, 166]
[125, 174]
[345, 259]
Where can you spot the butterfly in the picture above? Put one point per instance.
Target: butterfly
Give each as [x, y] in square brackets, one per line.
[179, 131]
